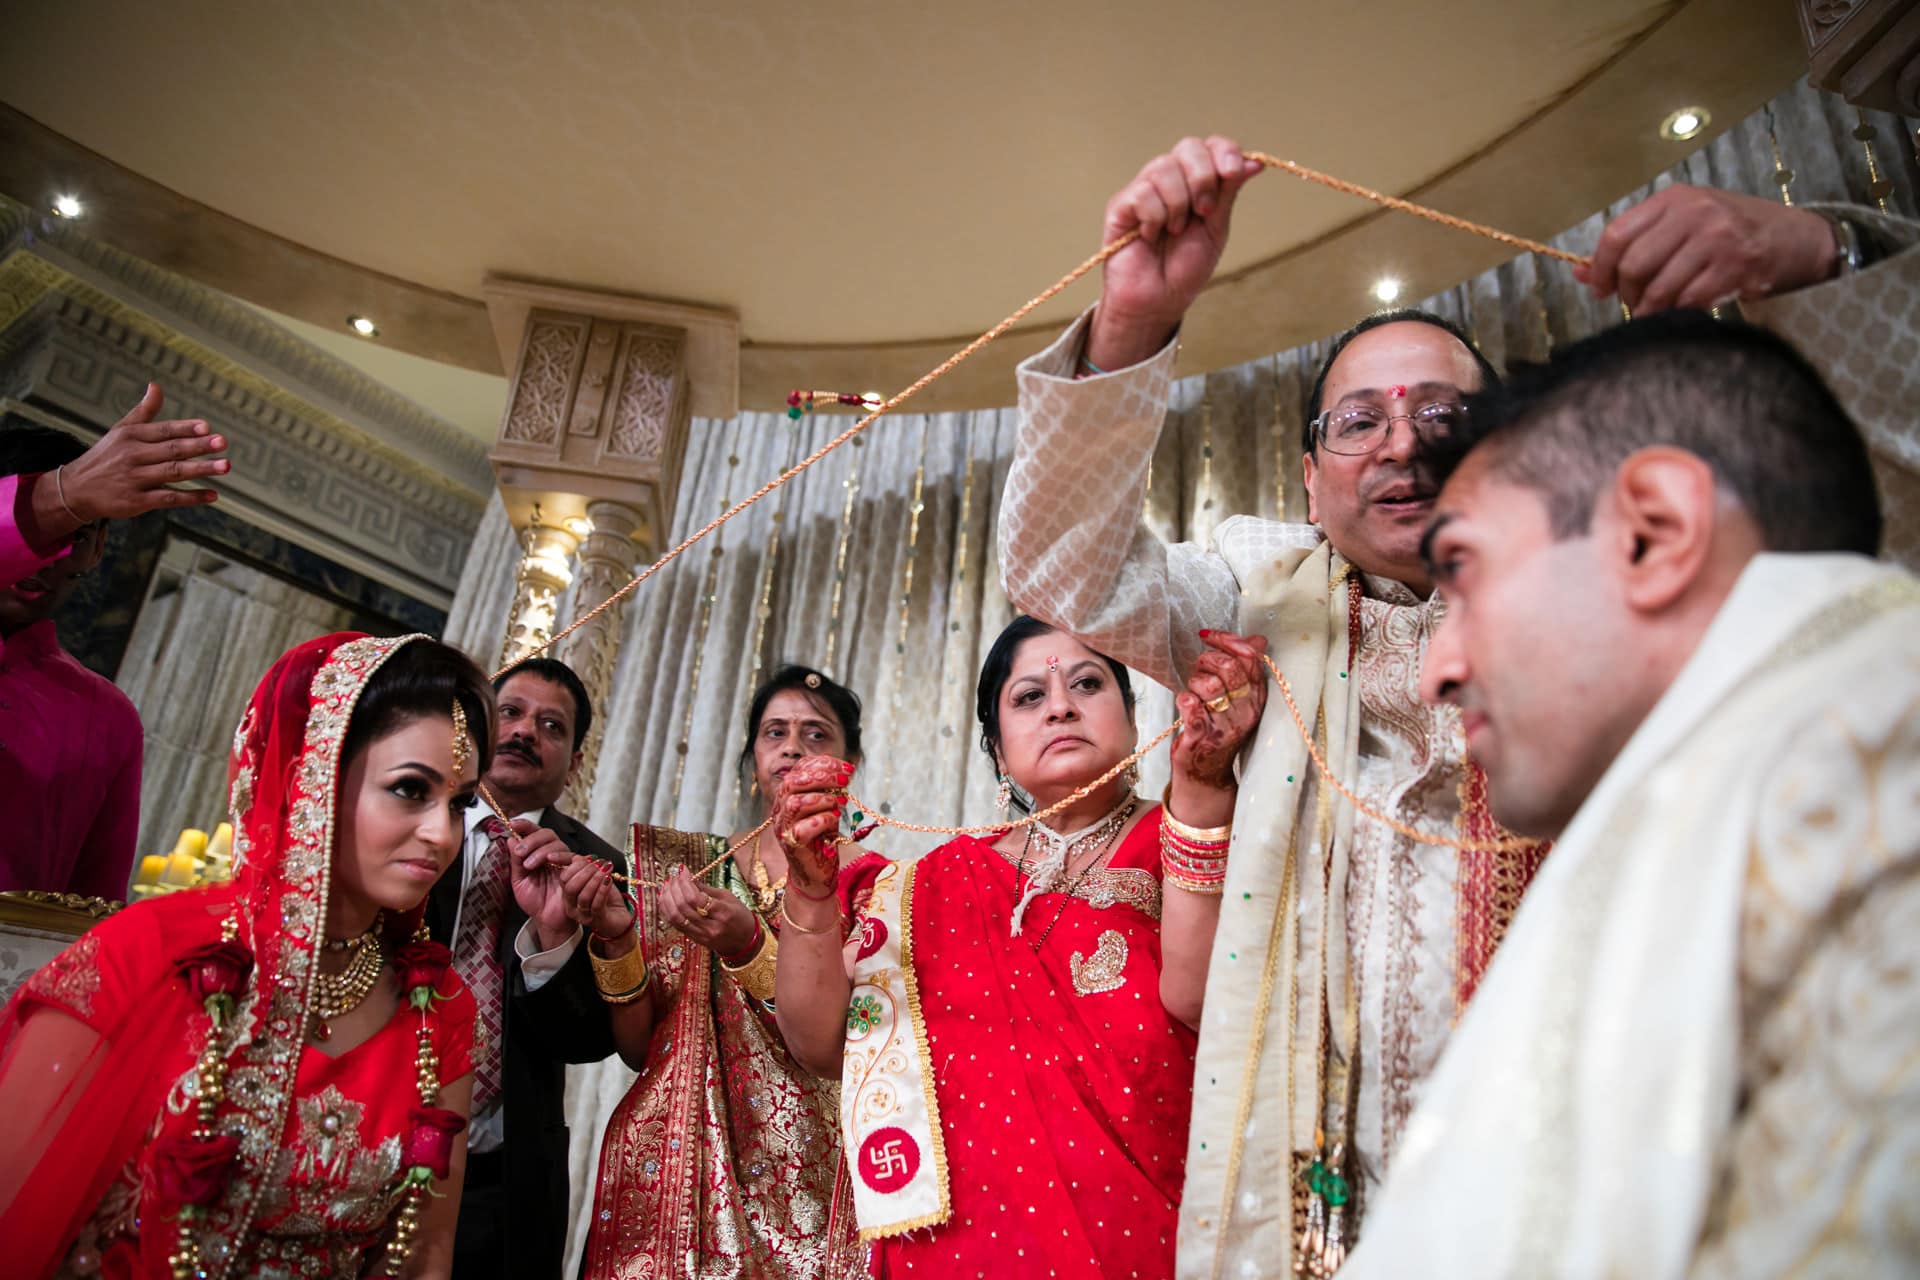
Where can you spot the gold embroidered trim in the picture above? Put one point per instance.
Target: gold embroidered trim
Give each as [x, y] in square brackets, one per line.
[945, 1211]
[1112, 887]
[281, 1031]
[71, 978]
[1104, 970]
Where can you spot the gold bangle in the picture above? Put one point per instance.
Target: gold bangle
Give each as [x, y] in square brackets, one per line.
[1198, 888]
[621, 979]
[1195, 835]
[756, 975]
[800, 928]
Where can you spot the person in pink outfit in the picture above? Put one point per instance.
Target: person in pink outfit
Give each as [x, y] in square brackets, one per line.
[70, 742]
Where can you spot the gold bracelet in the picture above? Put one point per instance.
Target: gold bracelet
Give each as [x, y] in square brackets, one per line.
[800, 928]
[621, 979]
[756, 975]
[1195, 835]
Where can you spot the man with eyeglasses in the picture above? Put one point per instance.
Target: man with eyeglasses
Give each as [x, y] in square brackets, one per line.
[1347, 948]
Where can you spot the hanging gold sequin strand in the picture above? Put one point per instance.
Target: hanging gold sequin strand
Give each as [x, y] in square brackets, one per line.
[852, 486]
[1879, 187]
[1782, 176]
[709, 586]
[895, 713]
[763, 610]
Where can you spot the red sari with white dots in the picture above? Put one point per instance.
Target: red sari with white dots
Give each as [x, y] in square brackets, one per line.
[1064, 1085]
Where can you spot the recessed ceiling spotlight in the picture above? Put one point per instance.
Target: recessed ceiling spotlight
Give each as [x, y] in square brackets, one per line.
[363, 326]
[1685, 123]
[1387, 290]
[68, 206]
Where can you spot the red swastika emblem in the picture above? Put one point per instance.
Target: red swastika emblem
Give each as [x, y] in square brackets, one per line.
[888, 1159]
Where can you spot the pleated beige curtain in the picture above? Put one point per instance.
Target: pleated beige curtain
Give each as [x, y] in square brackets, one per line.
[819, 571]
[191, 664]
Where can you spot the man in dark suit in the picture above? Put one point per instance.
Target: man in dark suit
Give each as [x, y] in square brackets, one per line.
[523, 956]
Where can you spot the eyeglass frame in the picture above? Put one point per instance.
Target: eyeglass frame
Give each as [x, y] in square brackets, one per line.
[1319, 425]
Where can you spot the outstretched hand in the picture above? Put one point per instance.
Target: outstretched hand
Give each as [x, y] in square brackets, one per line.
[806, 819]
[1181, 204]
[556, 887]
[128, 471]
[1699, 247]
[709, 916]
[1220, 708]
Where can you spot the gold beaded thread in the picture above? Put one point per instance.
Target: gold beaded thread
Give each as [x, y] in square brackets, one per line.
[939, 371]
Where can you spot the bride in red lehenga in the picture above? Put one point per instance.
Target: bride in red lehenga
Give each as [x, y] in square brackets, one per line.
[1012, 1017]
[268, 1076]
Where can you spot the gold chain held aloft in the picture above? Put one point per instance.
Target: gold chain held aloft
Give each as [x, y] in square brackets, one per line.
[947, 366]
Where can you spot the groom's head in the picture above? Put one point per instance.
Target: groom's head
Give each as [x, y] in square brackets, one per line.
[1594, 522]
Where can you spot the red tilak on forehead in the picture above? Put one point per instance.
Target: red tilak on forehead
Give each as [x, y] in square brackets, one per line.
[1053, 663]
[1398, 393]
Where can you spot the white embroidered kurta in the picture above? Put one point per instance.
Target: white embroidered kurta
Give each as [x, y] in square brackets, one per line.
[1698, 1052]
[1863, 333]
[1072, 552]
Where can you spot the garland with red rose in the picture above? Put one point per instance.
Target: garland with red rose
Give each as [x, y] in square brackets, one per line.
[194, 1170]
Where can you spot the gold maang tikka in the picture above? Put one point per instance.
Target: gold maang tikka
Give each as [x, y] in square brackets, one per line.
[462, 741]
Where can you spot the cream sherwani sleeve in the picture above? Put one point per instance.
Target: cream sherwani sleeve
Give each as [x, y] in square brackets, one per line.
[1073, 548]
[1862, 331]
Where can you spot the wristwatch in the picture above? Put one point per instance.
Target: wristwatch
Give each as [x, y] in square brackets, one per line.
[1850, 252]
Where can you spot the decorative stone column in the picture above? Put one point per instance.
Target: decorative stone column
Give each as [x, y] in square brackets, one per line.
[595, 432]
[606, 564]
[540, 580]
[1867, 51]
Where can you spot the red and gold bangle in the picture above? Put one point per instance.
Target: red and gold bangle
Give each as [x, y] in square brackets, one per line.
[754, 968]
[739, 958]
[1193, 858]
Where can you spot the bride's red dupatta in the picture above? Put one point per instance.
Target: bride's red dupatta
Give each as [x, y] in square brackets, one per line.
[97, 1049]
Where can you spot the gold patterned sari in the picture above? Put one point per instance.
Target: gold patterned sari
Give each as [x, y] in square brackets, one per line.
[723, 1160]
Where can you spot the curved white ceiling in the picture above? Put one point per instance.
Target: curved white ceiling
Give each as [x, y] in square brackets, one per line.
[854, 173]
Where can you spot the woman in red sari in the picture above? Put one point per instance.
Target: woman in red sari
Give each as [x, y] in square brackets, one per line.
[1012, 1018]
[268, 1077]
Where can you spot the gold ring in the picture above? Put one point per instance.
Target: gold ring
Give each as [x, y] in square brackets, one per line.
[1219, 704]
[1242, 691]
[703, 910]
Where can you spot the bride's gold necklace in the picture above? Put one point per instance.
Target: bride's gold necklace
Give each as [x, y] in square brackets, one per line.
[338, 994]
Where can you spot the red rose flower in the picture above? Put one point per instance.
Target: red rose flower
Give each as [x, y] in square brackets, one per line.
[430, 1141]
[194, 1171]
[421, 966]
[216, 969]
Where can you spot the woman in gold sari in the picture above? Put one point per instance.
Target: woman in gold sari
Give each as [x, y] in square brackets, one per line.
[723, 1160]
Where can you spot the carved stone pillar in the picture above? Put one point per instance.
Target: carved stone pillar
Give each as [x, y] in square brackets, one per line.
[538, 583]
[605, 565]
[1867, 51]
[595, 431]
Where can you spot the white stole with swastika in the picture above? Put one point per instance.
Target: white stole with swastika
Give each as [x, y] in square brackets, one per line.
[889, 1114]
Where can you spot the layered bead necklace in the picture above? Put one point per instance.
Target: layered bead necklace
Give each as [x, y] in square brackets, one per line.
[337, 994]
[1057, 854]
